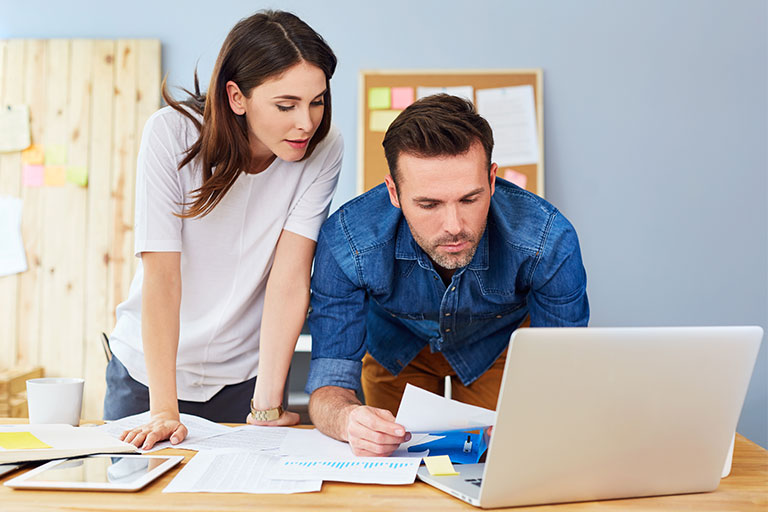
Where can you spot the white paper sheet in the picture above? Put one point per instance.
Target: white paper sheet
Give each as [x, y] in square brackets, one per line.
[245, 438]
[422, 411]
[235, 470]
[463, 91]
[311, 443]
[197, 429]
[512, 115]
[12, 257]
[14, 128]
[362, 470]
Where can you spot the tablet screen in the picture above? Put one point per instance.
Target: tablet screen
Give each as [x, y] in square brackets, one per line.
[104, 469]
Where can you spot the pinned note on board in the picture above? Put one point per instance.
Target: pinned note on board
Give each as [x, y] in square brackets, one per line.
[55, 176]
[14, 128]
[56, 154]
[33, 175]
[402, 97]
[21, 441]
[381, 119]
[379, 98]
[440, 465]
[77, 174]
[463, 91]
[518, 178]
[33, 155]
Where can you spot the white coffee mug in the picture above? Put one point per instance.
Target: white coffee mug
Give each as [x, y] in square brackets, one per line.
[55, 400]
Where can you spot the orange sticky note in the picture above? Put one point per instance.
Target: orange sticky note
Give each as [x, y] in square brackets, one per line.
[21, 441]
[440, 465]
[55, 176]
[33, 155]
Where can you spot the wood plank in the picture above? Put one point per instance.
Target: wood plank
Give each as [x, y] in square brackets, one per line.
[72, 259]
[98, 317]
[30, 282]
[123, 172]
[147, 96]
[11, 93]
[56, 308]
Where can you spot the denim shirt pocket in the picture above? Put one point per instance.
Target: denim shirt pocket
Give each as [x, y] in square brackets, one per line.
[498, 311]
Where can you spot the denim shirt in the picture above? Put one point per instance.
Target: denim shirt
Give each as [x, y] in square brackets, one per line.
[374, 289]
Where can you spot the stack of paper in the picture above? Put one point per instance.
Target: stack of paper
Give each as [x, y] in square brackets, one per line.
[20, 443]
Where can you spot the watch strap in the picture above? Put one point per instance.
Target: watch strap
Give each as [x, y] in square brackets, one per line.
[266, 414]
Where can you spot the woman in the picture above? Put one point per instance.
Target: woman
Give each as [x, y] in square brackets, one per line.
[232, 187]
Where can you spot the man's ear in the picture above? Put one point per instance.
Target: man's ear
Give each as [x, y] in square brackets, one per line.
[392, 188]
[492, 176]
[236, 98]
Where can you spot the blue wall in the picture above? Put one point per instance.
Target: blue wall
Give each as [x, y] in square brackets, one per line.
[655, 125]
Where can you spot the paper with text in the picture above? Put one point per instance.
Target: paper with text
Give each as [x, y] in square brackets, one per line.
[198, 429]
[511, 112]
[236, 471]
[361, 470]
[246, 438]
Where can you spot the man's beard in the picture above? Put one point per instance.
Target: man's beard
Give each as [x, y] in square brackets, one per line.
[450, 261]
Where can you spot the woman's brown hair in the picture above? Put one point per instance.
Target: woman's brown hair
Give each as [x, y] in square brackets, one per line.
[257, 48]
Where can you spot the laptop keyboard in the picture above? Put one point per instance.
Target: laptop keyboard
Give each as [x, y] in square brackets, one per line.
[474, 481]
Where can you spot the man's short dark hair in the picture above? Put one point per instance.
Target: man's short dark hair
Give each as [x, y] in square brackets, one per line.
[437, 125]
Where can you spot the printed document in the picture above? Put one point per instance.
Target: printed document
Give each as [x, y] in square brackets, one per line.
[361, 470]
[511, 112]
[442, 413]
[235, 470]
[197, 429]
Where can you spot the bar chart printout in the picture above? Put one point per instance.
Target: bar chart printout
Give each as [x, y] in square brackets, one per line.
[364, 470]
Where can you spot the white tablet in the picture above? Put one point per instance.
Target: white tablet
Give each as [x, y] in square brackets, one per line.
[97, 473]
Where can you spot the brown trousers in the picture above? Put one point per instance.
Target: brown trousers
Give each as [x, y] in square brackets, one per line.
[428, 371]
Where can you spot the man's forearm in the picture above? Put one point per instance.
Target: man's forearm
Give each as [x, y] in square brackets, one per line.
[329, 409]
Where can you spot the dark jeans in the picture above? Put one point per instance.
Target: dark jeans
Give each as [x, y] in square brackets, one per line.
[126, 397]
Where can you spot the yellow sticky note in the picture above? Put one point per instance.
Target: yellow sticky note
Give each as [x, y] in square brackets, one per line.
[33, 155]
[381, 119]
[20, 441]
[379, 98]
[56, 154]
[77, 174]
[55, 176]
[440, 465]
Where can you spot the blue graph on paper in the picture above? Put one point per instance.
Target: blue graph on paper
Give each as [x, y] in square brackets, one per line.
[362, 469]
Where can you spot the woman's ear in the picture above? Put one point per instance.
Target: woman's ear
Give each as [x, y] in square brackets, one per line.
[236, 98]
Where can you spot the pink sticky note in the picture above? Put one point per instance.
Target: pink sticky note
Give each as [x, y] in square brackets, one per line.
[32, 175]
[401, 97]
[518, 178]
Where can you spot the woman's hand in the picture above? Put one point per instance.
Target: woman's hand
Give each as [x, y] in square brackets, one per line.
[286, 419]
[159, 428]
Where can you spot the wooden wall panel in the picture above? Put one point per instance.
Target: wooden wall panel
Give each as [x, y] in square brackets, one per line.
[93, 96]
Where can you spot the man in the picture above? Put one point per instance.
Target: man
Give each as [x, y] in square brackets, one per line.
[429, 274]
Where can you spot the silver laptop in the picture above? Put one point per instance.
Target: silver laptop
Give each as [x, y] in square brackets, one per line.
[601, 413]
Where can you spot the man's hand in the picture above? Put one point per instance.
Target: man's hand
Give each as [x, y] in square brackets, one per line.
[373, 432]
[160, 427]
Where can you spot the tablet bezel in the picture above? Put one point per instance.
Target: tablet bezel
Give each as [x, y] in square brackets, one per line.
[23, 481]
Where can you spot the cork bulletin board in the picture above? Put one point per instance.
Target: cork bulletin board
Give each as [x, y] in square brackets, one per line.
[383, 95]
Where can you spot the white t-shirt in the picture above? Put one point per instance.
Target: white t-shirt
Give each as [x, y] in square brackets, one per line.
[226, 255]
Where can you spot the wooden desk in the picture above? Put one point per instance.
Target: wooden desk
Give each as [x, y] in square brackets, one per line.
[746, 489]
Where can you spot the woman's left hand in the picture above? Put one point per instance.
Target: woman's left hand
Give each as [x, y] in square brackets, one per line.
[286, 419]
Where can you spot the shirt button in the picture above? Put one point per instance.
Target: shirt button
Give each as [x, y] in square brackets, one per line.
[453, 288]
[448, 330]
[447, 314]
[498, 316]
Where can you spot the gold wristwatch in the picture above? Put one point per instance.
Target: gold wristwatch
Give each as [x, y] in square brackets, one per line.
[266, 414]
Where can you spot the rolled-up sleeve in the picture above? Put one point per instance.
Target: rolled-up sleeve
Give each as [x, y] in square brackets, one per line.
[337, 319]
